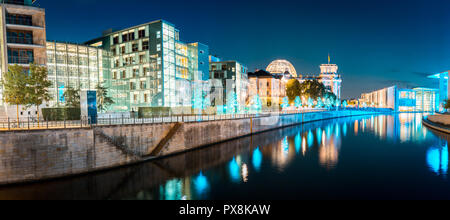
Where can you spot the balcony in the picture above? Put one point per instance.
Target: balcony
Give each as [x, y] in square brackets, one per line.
[17, 2]
[24, 42]
[26, 60]
[15, 23]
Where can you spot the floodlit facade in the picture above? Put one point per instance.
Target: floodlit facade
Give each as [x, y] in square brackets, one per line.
[328, 75]
[270, 88]
[331, 79]
[281, 67]
[22, 41]
[444, 89]
[226, 77]
[402, 100]
[151, 67]
[77, 66]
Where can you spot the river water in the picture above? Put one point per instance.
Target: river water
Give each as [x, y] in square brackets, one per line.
[367, 157]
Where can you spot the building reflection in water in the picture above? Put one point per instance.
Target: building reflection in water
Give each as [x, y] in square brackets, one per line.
[316, 145]
[172, 190]
[281, 155]
[329, 148]
[437, 160]
[244, 173]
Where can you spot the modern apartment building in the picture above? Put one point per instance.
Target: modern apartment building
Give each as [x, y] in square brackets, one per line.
[22, 39]
[151, 67]
[229, 77]
[76, 66]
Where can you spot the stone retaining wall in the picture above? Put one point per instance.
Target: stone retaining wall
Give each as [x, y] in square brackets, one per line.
[36, 155]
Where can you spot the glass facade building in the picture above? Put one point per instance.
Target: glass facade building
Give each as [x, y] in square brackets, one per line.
[403, 100]
[151, 67]
[76, 66]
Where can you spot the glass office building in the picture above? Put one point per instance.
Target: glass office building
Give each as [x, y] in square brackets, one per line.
[151, 67]
[76, 66]
[403, 100]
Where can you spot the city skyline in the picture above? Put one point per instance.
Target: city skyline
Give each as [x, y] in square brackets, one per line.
[400, 47]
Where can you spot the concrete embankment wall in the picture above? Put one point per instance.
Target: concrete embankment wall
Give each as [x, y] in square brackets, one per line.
[36, 155]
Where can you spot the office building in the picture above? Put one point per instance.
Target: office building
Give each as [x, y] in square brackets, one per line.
[229, 77]
[151, 67]
[444, 89]
[76, 66]
[402, 100]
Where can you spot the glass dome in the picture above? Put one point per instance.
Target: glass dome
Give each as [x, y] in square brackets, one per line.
[281, 67]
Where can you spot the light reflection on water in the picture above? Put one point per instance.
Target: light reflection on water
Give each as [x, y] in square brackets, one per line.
[328, 159]
[328, 143]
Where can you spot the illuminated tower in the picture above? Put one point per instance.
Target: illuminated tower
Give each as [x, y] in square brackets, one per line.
[330, 78]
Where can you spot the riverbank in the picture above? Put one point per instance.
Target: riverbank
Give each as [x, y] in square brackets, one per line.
[29, 156]
[438, 122]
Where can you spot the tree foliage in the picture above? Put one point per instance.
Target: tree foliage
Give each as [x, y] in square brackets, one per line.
[15, 83]
[312, 89]
[72, 97]
[298, 102]
[38, 85]
[447, 104]
[232, 103]
[293, 89]
[103, 100]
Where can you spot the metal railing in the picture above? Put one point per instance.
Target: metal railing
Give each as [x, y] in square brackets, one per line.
[25, 60]
[33, 123]
[26, 40]
[23, 21]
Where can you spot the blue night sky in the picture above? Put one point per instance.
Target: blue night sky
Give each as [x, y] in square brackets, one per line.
[376, 43]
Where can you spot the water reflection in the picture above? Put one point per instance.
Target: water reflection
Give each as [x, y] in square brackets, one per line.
[358, 150]
[257, 159]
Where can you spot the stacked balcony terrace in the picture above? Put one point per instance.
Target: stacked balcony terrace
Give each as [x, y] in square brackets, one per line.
[25, 33]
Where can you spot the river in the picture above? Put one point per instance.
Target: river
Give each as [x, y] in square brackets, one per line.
[367, 157]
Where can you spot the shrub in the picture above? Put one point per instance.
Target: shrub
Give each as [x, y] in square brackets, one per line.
[59, 114]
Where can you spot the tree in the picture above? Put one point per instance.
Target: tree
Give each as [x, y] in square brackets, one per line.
[310, 102]
[38, 85]
[103, 100]
[293, 89]
[329, 99]
[14, 84]
[256, 104]
[232, 104]
[447, 104]
[345, 104]
[319, 103]
[312, 89]
[298, 102]
[72, 97]
[285, 103]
